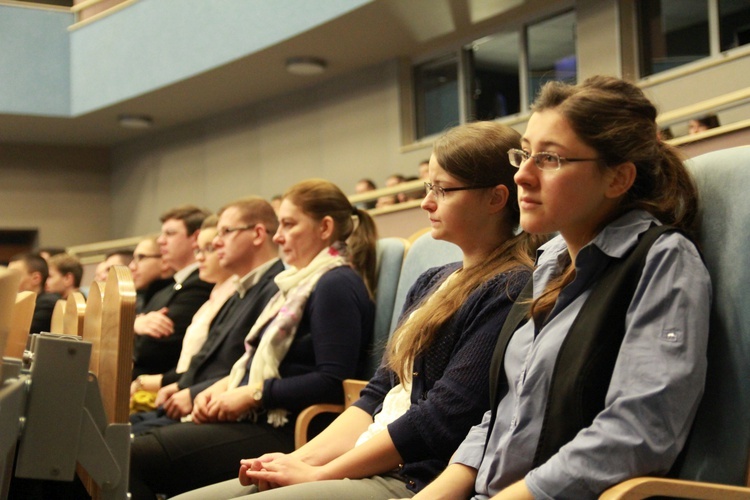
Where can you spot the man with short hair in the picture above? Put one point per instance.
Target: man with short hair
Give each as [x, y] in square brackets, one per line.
[116, 258]
[65, 273]
[161, 327]
[148, 271]
[245, 247]
[34, 273]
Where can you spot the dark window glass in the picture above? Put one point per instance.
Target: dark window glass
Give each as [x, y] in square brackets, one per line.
[436, 87]
[494, 79]
[734, 23]
[551, 52]
[672, 33]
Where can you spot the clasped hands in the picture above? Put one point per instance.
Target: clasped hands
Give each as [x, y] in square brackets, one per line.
[277, 469]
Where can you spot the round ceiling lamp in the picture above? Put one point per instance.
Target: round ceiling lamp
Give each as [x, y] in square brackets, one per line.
[135, 121]
[306, 66]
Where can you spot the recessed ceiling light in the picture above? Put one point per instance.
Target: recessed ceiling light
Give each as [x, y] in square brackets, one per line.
[305, 65]
[135, 121]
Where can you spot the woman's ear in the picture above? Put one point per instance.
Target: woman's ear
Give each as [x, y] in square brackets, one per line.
[621, 179]
[499, 198]
[326, 227]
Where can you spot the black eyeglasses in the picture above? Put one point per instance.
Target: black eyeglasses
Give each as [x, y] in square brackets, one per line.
[223, 231]
[142, 256]
[543, 161]
[207, 250]
[439, 191]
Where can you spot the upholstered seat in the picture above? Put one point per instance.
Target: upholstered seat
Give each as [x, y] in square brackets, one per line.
[717, 451]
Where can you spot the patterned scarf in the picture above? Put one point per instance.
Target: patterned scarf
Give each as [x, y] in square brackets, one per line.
[278, 322]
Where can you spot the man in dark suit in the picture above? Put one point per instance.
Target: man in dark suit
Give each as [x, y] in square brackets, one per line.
[245, 247]
[34, 274]
[161, 327]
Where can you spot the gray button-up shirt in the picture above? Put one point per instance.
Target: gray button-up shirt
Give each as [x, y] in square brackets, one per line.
[656, 385]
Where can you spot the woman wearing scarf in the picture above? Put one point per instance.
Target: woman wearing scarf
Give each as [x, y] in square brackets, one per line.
[313, 334]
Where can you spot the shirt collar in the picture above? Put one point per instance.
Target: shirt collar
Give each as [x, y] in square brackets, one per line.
[181, 275]
[249, 280]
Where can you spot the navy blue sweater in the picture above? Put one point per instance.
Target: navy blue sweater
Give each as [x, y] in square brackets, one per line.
[450, 388]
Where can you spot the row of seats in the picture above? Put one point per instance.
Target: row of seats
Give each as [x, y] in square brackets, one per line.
[100, 440]
[717, 451]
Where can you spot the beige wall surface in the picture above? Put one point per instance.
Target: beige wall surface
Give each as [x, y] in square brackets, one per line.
[342, 131]
[63, 192]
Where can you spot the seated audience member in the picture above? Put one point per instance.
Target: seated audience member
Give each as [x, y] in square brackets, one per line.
[697, 125]
[149, 272]
[313, 334]
[209, 271]
[34, 274]
[252, 257]
[385, 201]
[363, 186]
[593, 169]
[116, 258]
[414, 194]
[161, 327]
[65, 273]
[432, 385]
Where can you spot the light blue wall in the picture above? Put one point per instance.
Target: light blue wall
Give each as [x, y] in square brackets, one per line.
[34, 61]
[154, 43]
[46, 70]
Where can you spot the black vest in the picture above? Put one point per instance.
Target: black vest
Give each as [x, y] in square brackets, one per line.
[587, 356]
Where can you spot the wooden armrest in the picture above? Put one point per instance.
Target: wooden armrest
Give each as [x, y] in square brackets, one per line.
[644, 487]
[306, 416]
[352, 388]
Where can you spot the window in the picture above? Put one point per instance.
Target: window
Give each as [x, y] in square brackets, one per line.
[437, 102]
[494, 77]
[734, 23]
[487, 79]
[677, 32]
[551, 52]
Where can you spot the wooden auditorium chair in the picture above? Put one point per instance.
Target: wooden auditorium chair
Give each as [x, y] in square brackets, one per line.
[20, 324]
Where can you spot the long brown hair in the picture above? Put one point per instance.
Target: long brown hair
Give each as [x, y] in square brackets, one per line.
[477, 154]
[319, 198]
[617, 120]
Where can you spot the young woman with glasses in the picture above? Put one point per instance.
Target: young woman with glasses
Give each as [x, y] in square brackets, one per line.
[432, 385]
[600, 382]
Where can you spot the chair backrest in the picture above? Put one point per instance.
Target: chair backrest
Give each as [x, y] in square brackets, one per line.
[718, 447]
[9, 281]
[20, 324]
[92, 324]
[390, 252]
[424, 252]
[57, 323]
[116, 345]
[75, 308]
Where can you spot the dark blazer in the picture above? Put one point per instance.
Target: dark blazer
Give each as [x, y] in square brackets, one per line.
[152, 355]
[225, 343]
[43, 308]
